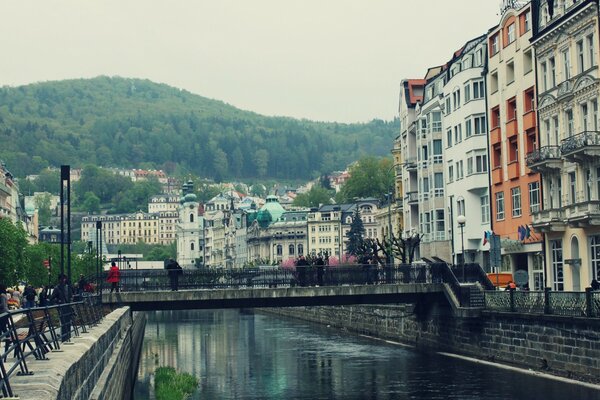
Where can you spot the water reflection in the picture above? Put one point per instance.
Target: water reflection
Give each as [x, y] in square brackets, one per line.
[239, 355]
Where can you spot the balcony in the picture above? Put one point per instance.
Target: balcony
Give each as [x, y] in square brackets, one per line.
[551, 220]
[529, 121]
[581, 147]
[411, 164]
[412, 198]
[513, 170]
[495, 136]
[544, 159]
[583, 214]
[512, 128]
[497, 176]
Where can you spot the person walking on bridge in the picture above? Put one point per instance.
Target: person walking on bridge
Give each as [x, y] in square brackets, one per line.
[114, 276]
[174, 271]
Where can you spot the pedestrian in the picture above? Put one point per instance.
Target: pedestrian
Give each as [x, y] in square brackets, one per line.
[320, 265]
[511, 286]
[301, 266]
[82, 285]
[3, 310]
[62, 295]
[114, 276]
[595, 284]
[174, 270]
[44, 296]
[29, 294]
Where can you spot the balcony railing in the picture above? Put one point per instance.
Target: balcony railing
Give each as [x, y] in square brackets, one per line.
[579, 143]
[543, 154]
[583, 212]
[412, 197]
[411, 163]
[553, 219]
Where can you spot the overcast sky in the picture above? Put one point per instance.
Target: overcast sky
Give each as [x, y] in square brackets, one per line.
[331, 60]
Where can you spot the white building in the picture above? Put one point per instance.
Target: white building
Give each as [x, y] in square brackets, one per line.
[188, 229]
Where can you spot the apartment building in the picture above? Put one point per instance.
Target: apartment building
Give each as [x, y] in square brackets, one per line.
[430, 168]
[163, 202]
[411, 94]
[565, 38]
[515, 187]
[123, 228]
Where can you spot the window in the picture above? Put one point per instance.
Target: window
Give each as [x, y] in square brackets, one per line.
[566, 64]
[544, 76]
[529, 100]
[459, 169]
[527, 61]
[510, 72]
[552, 72]
[511, 33]
[494, 45]
[481, 163]
[499, 206]
[479, 125]
[584, 116]
[468, 128]
[449, 137]
[494, 82]
[590, 45]
[478, 57]
[580, 61]
[279, 250]
[497, 154]
[594, 123]
[436, 121]
[598, 183]
[439, 221]
[438, 183]
[291, 250]
[485, 208]
[460, 207]
[192, 246]
[511, 109]
[557, 264]
[450, 173]
[515, 194]
[495, 117]
[569, 121]
[448, 108]
[191, 217]
[467, 92]
[595, 256]
[437, 151]
[573, 187]
[555, 130]
[478, 90]
[456, 99]
[469, 166]
[301, 249]
[527, 24]
[458, 133]
[513, 150]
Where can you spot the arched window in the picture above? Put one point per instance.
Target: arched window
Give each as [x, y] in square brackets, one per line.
[279, 250]
[192, 246]
[191, 217]
[300, 249]
[291, 250]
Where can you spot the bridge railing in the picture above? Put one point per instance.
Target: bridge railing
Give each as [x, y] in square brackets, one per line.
[213, 278]
[36, 332]
[574, 304]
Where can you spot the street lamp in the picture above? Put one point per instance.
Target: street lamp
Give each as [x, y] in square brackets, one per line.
[461, 222]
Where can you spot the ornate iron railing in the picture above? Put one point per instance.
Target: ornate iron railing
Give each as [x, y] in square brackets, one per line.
[579, 141]
[574, 304]
[35, 332]
[543, 154]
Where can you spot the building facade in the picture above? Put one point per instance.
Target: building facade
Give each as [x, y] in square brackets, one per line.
[565, 38]
[515, 189]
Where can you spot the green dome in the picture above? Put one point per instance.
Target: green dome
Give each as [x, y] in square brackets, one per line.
[190, 197]
[273, 207]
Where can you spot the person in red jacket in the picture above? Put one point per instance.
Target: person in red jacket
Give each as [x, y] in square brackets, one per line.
[114, 275]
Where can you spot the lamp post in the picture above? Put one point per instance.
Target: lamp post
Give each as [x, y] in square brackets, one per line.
[461, 222]
[390, 260]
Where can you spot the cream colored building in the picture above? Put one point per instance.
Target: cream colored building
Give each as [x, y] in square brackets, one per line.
[566, 40]
[163, 202]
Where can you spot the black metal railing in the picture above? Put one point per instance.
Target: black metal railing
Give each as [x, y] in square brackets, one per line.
[542, 154]
[215, 278]
[35, 332]
[579, 141]
[573, 304]
[473, 273]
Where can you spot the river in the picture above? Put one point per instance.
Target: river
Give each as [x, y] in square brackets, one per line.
[242, 355]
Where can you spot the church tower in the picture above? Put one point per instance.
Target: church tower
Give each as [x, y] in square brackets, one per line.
[188, 230]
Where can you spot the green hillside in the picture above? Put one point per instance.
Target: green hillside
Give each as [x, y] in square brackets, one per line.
[136, 123]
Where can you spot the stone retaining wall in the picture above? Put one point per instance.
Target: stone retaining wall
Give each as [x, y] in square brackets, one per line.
[100, 363]
[564, 346]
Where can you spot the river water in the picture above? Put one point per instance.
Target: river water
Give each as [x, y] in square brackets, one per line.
[242, 355]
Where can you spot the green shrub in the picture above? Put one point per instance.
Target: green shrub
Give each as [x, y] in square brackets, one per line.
[172, 385]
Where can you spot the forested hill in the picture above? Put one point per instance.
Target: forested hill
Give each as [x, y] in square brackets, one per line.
[140, 124]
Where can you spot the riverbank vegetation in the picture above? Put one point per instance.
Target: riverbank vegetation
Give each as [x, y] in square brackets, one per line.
[172, 385]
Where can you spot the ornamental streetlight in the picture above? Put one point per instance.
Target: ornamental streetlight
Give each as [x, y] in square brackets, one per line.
[461, 222]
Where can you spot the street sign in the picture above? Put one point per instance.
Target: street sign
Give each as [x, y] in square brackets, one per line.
[521, 277]
[495, 251]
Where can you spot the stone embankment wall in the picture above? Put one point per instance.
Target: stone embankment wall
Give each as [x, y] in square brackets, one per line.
[100, 364]
[564, 346]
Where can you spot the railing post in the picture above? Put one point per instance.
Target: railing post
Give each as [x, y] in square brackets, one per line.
[547, 301]
[588, 302]
[512, 300]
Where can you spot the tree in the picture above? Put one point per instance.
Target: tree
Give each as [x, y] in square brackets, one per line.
[14, 241]
[261, 161]
[48, 181]
[35, 272]
[42, 203]
[91, 203]
[369, 177]
[355, 236]
[315, 197]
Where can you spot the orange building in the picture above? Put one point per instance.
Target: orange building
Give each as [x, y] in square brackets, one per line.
[515, 189]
